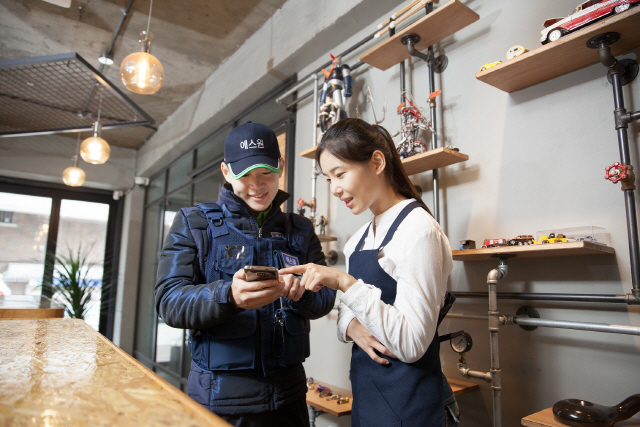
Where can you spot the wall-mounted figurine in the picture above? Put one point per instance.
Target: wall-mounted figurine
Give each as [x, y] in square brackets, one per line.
[412, 121]
[338, 85]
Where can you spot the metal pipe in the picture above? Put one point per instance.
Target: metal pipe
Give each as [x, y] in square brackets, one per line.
[583, 326]
[304, 81]
[466, 316]
[635, 116]
[494, 327]
[599, 298]
[402, 81]
[314, 166]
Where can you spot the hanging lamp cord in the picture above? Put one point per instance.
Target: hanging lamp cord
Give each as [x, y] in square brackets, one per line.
[149, 21]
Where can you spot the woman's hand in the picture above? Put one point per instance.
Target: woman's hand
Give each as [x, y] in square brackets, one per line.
[367, 342]
[316, 276]
[292, 287]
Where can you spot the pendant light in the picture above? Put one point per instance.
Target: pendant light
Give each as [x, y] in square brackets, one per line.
[141, 72]
[73, 176]
[94, 149]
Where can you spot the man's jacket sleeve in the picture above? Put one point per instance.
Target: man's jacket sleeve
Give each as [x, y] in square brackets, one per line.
[314, 305]
[181, 301]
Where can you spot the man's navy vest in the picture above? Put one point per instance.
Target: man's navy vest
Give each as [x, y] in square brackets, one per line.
[269, 338]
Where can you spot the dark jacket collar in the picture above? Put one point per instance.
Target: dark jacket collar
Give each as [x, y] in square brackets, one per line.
[237, 205]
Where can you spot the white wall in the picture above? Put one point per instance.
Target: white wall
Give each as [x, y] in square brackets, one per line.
[537, 159]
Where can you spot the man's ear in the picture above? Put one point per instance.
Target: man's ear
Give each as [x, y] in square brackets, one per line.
[378, 161]
[281, 166]
[225, 171]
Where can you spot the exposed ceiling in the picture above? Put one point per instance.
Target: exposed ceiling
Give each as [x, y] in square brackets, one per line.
[190, 39]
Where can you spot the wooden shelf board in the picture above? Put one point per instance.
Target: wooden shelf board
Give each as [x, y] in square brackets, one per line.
[310, 153]
[545, 419]
[462, 387]
[433, 159]
[326, 238]
[565, 55]
[437, 25]
[533, 251]
[330, 406]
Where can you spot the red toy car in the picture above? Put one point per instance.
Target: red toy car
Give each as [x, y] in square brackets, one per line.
[522, 239]
[492, 243]
[585, 13]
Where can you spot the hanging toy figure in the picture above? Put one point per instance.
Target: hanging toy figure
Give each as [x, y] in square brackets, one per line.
[412, 121]
[337, 86]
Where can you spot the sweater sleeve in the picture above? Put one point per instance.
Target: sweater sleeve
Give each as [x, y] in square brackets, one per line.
[181, 301]
[408, 326]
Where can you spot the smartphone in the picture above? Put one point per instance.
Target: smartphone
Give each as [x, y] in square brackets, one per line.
[257, 272]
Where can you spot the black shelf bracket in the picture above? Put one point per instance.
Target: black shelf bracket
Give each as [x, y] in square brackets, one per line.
[439, 63]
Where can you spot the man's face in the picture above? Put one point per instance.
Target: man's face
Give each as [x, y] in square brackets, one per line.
[256, 188]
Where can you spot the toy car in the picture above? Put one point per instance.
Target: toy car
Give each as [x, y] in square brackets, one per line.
[516, 50]
[586, 13]
[492, 243]
[467, 244]
[492, 64]
[522, 239]
[551, 238]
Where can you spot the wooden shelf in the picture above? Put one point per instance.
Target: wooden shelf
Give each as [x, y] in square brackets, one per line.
[330, 406]
[565, 55]
[462, 387]
[29, 307]
[533, 251]
[545, 419]
[437, 25]
[326, 238]
[433, 159]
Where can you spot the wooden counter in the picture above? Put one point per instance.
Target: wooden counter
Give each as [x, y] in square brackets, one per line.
[61, 372]
[29, 307]
[545, 419]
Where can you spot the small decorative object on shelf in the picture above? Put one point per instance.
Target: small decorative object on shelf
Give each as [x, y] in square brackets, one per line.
[586, 13]
[516, 50]
[467, 244]
[551, 238]
[492, 243]
[577, 412]
[489, 65]
[343, 400]
[412, 121]
[310, 383]
[337, 86]
[451, 147]
[522, 239]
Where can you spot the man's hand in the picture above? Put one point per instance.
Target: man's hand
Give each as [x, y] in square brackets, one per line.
[363, 339]
[255, 294]
[314, 277]
[292, 288]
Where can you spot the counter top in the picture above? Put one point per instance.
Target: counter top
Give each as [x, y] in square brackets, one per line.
[56, 372]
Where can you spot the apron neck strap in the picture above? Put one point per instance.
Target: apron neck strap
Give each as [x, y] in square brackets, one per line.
[403, 214]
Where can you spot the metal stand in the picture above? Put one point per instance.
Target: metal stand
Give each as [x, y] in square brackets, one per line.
[313, 413]
[619, 74]
[436, 65]
[494, 376]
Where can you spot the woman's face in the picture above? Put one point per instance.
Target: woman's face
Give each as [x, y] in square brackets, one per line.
[355, 184]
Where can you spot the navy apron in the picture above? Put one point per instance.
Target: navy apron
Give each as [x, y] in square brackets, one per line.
[397, 394]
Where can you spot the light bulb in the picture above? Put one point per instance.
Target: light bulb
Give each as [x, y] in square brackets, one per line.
[73, 176]
[141, 72]
[95, 150]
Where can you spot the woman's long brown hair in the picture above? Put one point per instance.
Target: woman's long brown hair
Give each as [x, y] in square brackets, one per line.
[354, 141]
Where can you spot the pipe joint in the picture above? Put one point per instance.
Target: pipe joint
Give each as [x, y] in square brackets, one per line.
[633, 298]
[468, 373]
[622, 118]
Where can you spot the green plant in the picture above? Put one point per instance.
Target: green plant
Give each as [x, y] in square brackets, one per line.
[71, 283]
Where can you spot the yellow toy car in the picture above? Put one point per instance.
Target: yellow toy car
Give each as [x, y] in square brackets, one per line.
[489, 65]
[551, 238]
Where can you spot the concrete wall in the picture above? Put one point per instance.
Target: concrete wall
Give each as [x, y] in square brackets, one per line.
[537, 159]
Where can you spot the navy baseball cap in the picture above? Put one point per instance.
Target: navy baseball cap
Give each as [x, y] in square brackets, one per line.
[250, 146]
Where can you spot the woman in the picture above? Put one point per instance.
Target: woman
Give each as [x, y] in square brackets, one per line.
[398, 265]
